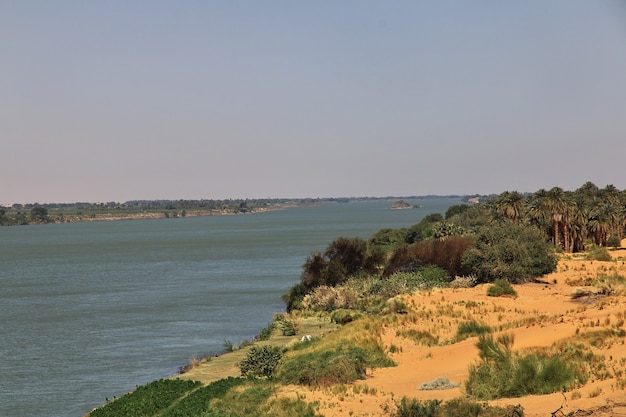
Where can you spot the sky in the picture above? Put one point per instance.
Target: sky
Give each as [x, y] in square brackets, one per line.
[125, 100]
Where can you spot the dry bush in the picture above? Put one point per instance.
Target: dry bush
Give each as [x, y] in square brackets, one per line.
[331, 298]
[446, 254]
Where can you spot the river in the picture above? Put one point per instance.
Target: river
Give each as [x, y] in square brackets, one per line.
[88, 311]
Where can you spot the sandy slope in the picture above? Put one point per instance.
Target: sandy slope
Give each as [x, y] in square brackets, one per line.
[543, 314]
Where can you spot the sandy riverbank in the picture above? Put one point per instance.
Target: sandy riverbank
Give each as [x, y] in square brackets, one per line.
[543, 314]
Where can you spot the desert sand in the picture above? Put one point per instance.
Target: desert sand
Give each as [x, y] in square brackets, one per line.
[544, 313]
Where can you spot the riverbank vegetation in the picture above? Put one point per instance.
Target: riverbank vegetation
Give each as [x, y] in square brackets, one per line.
[447, 287]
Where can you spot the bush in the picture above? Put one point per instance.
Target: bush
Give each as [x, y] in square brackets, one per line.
[341, 363]
[509, 252]
[503, 374]
[331, 298]
[325, 367]
[613, 242]
[446, 254]
[409, 407]
[599, 253]
[471, 329]
[261, 361]
[459, 407]
[500, 288]
[288, 327]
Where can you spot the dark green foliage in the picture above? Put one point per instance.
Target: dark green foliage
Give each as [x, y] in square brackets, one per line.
[433, 276]
[261, 361]
[500, 288]
[293, 297]
[343, 258]
[456, 210]
[473, 218]
[503, 374]
[423, 229]
[471, 329]
[198, 401]
[147, 400]
[39, 214]
[443, 230]
[387, 238]
[613, 242]
[509, 252]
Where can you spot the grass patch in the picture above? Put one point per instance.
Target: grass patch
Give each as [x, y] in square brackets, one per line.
[471, 329]
[501, 288]
[419, 336]
[504, 374]
[410, 407]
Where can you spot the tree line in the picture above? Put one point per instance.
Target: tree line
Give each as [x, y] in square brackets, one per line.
[511, 236]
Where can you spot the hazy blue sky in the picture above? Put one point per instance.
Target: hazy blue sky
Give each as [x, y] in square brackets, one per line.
[121, 100]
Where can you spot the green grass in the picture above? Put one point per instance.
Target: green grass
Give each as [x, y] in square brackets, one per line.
[501, 373]
[501, 288]
[471, 329]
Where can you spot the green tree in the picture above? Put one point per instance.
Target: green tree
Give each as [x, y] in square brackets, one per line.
[510, 252]
[511, 205]
[455, 210]
[39, 214]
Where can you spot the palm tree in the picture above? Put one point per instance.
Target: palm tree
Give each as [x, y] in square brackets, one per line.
[511, 205]
[537, 211]
[560, 205]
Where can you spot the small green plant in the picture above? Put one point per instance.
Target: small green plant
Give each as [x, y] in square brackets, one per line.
[501, 373]
[288, 328]
[267, 331]
[501, 288]
[420, 337]
[471, 329]
[599, 253]
[261, 361]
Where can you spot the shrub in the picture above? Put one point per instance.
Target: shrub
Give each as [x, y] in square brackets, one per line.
[325, 367]
[331, 298]
[446, 254]
[409, 407]
[599, 253]
[471, 329]
[434, 276]
[339, 363]
[261, 361]
[613, 242]
[501, 373]
[509, 252]
[288, 327]
[500, 288]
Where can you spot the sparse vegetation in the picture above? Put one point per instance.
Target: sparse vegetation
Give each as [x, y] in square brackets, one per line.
[501, 288]
[502, 373]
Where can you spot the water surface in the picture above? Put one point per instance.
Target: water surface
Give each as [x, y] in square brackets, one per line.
[91, 310]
